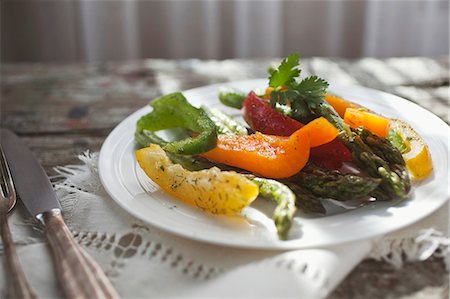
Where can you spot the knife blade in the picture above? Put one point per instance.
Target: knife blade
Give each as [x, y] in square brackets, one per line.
[31, 181]
[80, 276]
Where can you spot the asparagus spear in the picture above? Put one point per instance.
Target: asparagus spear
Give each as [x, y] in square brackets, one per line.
[382, 147]
[391, 182]
[305, 200]
[285, 200]
[225, 124]
[319, 107]
[401, 171]
[335, 185]
[231, 97]
[382, 193]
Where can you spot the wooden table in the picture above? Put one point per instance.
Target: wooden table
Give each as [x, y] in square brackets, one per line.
[61, 111]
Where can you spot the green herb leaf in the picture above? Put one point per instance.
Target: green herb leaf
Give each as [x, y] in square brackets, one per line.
[286, 73]
[300, 110]
[312, 89]
[282, 97]
[290, 103]
[397, 141]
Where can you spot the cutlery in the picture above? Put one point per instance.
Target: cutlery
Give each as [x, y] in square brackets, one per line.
[79, 275]
[18, 286]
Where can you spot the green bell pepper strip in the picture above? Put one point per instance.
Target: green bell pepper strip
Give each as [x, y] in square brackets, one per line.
[174, 111]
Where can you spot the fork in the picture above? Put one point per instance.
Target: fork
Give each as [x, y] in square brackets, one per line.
[18, 286]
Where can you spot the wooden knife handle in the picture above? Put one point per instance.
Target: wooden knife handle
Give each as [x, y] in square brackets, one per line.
[18, 286]
[79, 275]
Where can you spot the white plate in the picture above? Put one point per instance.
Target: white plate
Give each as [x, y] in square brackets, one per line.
[131, 189]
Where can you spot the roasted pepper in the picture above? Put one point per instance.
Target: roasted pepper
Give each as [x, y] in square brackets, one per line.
[263, 118]
[339, 104]
[269, 155]
[174, 111]
[330, 155]
[212, 190]
[360, 118]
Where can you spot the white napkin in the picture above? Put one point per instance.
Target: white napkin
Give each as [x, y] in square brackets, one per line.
[143, 261]
[309, 273]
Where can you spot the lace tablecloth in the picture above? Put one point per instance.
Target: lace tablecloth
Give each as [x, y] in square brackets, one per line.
[75, 106]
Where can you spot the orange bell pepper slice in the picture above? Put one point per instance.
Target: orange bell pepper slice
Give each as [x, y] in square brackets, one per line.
[269, 155]
[372, 122]
[321, 131]
[339, 104]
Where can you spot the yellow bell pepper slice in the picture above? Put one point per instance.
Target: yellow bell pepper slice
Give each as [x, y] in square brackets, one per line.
[212, 190]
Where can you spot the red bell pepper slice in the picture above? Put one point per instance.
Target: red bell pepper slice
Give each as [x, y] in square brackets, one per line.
[263, 118]
[330, 155]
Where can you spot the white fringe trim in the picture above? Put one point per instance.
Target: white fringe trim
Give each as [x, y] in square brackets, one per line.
[429, 242]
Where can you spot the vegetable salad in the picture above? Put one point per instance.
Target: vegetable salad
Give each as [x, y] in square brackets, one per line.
[299, 145]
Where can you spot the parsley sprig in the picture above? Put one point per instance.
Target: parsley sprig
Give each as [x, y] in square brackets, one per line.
[312, 88]
[291, 93]
[286, 73]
